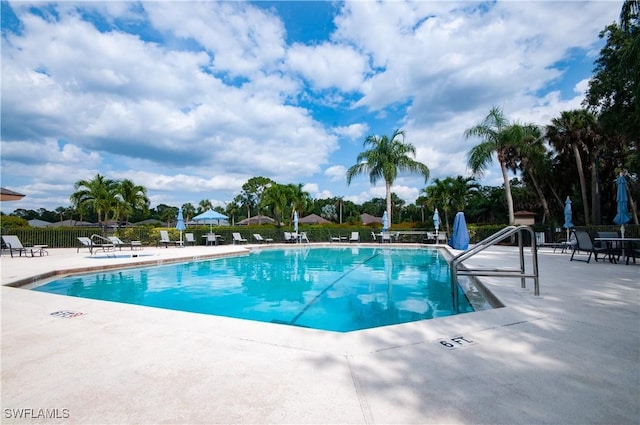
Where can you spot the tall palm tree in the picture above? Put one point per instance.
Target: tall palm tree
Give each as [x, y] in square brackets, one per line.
[133, 196]
[531, 157]
[385, 158]
[99, 193]
[499, 137]
[575, 130]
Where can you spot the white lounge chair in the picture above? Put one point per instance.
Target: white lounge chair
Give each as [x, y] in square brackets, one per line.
[289, 238]
[260, 239]
[104, 244]
[118, 243]
[13, 244]
[238, 238]
[355, 237]
[164, 239]
[189, 239]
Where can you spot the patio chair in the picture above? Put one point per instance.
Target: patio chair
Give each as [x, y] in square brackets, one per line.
[189, 239]
[260, 239]
[355, 237]
[212, 239]
[334, 238]
[614, 248]
[164, 239]
[386, 237]
[429, 237]
[238, 238]
[289, 238]
[304, 237]
[13, 244]
[584, 243]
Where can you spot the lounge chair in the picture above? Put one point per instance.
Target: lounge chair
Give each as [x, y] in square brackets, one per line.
[238, 238]
[355, 237]
[584, 243]
[13, 244]
[289, 238]
[304, 237]
[118, 243]
[189, 239]
[334, 238]
[164, 239]
[386, 237]
[103, 244]
[258, 237]
[430, 237]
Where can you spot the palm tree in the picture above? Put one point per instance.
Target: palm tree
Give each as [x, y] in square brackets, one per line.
[189, 211]
[531, 157]
[385, 158]
[100, 193]
[450, 195]
[133, 196]
[204, 205]
[277, 199]
[575, 130]
[499, 137]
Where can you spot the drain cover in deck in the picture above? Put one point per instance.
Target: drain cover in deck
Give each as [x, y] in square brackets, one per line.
[66, 314]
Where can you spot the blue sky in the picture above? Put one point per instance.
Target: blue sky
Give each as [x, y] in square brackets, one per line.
[191, 99]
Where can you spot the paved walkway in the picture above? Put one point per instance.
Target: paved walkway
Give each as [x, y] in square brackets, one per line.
[570, 356]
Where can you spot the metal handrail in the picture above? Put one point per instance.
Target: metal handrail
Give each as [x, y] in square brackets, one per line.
[503, 272]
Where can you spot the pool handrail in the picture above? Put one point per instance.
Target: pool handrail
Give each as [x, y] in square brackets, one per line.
[486, 243]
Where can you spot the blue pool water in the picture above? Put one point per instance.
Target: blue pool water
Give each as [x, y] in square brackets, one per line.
[335, 289]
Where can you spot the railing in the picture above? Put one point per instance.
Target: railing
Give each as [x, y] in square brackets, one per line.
[504, 272]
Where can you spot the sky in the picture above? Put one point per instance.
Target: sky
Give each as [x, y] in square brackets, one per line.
[192, 99]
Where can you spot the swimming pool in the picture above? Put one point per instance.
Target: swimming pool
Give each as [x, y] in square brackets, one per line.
[336, 289]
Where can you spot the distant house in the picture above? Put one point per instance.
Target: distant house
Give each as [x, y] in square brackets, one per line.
[313, 219]
[148, 222]
[256, 219]
[72, 223]
[370, 219]
[39, 223]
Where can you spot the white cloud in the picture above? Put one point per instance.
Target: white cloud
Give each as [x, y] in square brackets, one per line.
[328, 65]
[353, 131]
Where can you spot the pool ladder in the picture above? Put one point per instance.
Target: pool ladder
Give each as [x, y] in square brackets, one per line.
[499, 236]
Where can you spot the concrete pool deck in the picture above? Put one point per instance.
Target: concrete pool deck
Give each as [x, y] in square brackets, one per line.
[570, 356]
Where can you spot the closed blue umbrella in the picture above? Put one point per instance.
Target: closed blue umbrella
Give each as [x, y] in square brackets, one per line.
[385, 222]
[622, 201]
[180, 224]
[295, 221]
[567, 216]
[460, 236]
